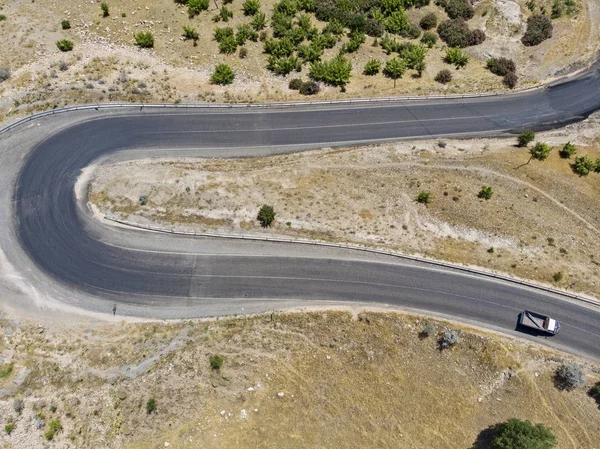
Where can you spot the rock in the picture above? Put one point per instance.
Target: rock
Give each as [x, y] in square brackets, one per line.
[480, 400]
[243, 414]
[122, 394]
[223, 413]
[280, 394]
[250, 389]
[166, 444]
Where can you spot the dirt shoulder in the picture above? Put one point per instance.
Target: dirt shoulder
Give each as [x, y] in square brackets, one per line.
[313, 379]
[106, 66]
[542, 222]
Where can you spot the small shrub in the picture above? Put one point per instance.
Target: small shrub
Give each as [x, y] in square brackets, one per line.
[428, 21]
[64, 45]
[104, 8]
[595, 392]
[429, 39]
[243, 53]
[5, 370]
[266, 215]
[54, 426]
[457, 8]
[123, 14]
[335, 72]
[490, 250]
[525, 138]
[597, 167]
[501, 66]
[144, 39]
[485, 193]
[222, 75]
[583, 165]
[569, 376]
[540, 151]
[456, 33]
[63, 66]
[195, 7]
[539, 28]
[372, 67]
[477, 37]
[151, 406]
[558, 276]
[9, 427]
[2, 17]
[258, 22]
[216, 362]
[424, 197]
[295, 84]
[190, 33]
[224, 15]
[510, 80]
[310, 88]
[517, 434]
[428, 330]
[251, 7]
[4, 74]
[18, 406]
[448, 339]
[443, 76]
[228, 45]
[567, 151]
[143, 200]
[65, 24]
[456, 56]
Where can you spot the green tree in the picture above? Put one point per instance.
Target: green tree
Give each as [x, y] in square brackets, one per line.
[336, 71]
[251, 7]
[266, 216]
[568, 150]
[144, 39]
[104, 8]
[394, 69]
[372, 67]
[540, 151]
[190, 33]
[517, 434]
[485, 193]
[64, 45]
[195, 7]
[525, 138]
[222, 75]
[456, 56]
[583, 165]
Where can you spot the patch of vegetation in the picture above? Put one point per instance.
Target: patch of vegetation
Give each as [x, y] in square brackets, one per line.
[558, 276]
[583, 165]
[595, 392]
[2, 17]
[4, 74]
[259, 21]
[54, 426]
[518, 434]
[395, 68]
[510, 80]
[448, 339]
[525, 138]
[372, 67]
[335, 72]
[195, 7]
[428, 21]
[251, 7]
[456, 56]
[6, 370]
[456, 33]
[216, 362]
[65, 24]
[295, 84]
[501, 66]
[222, 75]
[9, 427]
[568, 150]
[64, 45]
[539, 28]
[540, 151]
[105, 9]
[485, 193]
[443, 76]
[144, 39]
[266, 216]
[310, 88]
[224, 15]
[569, 376]
[457, 8]
[190, 33]
[151, 406]
[429, 39]
[424, 197]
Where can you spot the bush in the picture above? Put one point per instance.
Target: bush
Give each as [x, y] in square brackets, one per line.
[558, 276]
[311, 52]
[597, 167]
[396, 22]
[65, 24]
[540, 151]
[458, 9]
[144, 39]
[18, 406]
[244, 33]
[266, 216]
[310, 88]
[372, 67]
[64, 45]
[356, 40]
[424, 197]
[223, 15]
[443, 76]
[195, 7]
[295, 84]
[510, 80]
[278, 47]
[4, 74]
[150, 405]
[567, 151]
[485, 193]
[429, 39]
[216, 362]
[448, 339]
[334, 27]
[525, 138]
[595, 392]
[251, 7]
[428, 330]
[228, 45]
[517, 434]
[456, 56]
[54, 426]
[284, 65]
[104, 8]
[456, 33]
[335, 72]
[583, 165]
[190, 33]
[63, 66]
[9, 427]
[259, 21]
[569, 376]
[395, 68]
[501, 66]
[222, 75]
[2, 17]
[428, 21]
[539, 28]
[243, 53]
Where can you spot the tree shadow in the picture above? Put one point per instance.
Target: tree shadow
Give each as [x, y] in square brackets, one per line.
[595, 393]
[485, 437]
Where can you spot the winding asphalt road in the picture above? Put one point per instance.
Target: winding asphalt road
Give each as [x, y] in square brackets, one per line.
[57, 237]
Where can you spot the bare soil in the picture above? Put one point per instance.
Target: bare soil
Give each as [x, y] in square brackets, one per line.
[106, 66]
[542, 222]
[354, 379]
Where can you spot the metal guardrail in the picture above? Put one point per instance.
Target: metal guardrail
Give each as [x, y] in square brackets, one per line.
[260, 105]
[363, 249]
